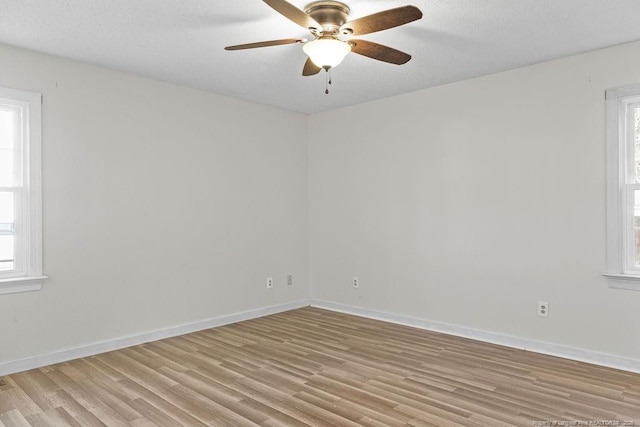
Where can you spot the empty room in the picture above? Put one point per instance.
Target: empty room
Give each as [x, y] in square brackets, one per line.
[322, 213]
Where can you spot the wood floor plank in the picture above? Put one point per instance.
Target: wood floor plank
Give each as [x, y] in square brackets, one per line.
[60, 417]
[14, 418]
[319, 368]
[162, 407]
[84, 398]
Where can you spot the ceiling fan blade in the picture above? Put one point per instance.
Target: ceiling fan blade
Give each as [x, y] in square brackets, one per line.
[265, 44]
[382, 20]
[310, 69]
[294, 14]
[379, 52]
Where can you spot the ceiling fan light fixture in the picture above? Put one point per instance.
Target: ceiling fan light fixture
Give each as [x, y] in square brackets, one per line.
[326, 53]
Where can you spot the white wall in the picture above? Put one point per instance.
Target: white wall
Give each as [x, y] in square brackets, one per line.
[468, 203]
[162, 205]
[463, 204]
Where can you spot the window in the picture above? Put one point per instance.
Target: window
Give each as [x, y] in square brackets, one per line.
[623, 187]
[20, 192]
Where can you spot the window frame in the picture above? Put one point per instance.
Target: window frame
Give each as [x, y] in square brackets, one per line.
[28, 220]
[621, 183]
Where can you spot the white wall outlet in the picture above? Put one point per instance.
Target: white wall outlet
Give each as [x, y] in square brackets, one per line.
[290, 279]
[355, 282]
[543, 309]
[269, 282]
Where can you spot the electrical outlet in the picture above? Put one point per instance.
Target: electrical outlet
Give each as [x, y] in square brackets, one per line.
[269, 282]
[290, 280]
[543, 309]
[355, 282]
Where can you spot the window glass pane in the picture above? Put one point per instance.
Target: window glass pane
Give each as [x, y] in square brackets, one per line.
[7, 235]
[7, 153]
[636, 136]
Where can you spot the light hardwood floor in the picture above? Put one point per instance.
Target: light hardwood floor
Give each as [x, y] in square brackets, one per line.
[316, 367]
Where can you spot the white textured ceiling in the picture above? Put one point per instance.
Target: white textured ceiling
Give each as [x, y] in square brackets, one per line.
[182, 41]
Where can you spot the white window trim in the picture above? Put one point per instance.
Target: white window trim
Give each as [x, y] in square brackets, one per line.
[32, 278]
[617, 221]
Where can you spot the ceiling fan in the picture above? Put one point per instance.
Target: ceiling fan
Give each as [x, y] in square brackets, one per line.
[332, 33]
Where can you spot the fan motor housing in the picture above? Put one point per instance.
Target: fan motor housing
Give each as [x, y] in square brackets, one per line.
[330, 14]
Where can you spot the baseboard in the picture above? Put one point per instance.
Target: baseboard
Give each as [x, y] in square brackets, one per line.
[582, 355]
[578, 354]
[92, 349]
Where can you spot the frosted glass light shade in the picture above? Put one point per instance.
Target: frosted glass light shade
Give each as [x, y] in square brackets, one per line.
[326, 53]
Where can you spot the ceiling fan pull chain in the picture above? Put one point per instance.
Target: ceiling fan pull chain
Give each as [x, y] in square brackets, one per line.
[326, 83]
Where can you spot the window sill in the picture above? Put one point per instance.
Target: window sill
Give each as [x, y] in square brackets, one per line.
[623, 281]
[16, 285]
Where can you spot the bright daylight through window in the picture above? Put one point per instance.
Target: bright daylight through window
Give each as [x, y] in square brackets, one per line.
[635, 134]
[20, 192]
[623, 185]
